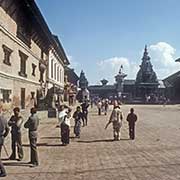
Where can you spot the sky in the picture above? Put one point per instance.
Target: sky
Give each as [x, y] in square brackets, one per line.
[101, 35]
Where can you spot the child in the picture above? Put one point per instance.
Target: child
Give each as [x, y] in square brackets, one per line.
[132, 118]
[78, 116]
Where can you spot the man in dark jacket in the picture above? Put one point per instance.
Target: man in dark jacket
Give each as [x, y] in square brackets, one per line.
[4, 130]
[32, 124]
[132, 118]
[16, 122]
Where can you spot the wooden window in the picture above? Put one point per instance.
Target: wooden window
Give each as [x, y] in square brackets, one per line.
[33, 69]
[7, 54]
[5, 95]
[58, 74]
[55, 71]
[23, 59]
[52, 68]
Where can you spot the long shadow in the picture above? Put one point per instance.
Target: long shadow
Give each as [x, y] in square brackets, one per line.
[93, 141]
[101, 140]
[50, 137]
[16, 164]
[72, 137]
[44, 145]
[5, 159]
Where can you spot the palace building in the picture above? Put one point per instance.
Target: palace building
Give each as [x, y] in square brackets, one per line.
[28, 50]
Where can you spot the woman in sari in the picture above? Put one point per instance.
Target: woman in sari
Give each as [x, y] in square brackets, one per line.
[64, 121]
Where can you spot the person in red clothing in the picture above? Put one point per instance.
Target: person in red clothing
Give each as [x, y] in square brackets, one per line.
[132, 118]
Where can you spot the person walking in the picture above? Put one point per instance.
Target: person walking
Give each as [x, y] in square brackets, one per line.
[4, 130]
[15, 123]
[32, 124]
[131, 118]
[99, 106]
[78, 116]
[116, 119]
[106, 105]
[64, 121]
[84, 107]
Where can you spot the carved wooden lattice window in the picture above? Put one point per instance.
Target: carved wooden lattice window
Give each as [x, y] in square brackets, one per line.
[23, 59]
[7, 54]
[24, 28]
[33, 69]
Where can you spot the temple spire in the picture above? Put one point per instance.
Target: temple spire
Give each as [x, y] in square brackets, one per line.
[145, 55]
[121, 69]
[145, 49]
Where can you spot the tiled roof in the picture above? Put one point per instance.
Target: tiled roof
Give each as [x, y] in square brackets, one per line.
[170, 80]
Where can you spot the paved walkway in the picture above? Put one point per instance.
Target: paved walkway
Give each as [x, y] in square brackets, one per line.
[154, 155]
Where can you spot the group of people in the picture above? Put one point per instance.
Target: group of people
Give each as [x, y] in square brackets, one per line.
[116, 119]
[81, 116]
[102, 106]
[64, 116]
[15, 123]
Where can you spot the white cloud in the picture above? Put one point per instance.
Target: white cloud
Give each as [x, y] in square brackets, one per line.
[163, 59]
[108, 68]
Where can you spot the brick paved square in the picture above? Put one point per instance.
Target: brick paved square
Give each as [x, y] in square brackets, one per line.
[154, 154]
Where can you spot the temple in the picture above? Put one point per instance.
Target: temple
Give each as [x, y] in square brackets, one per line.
[145, 85]
[146, 79]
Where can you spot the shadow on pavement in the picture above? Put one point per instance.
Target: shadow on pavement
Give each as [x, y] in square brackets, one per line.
[5, 159]
[50, 137]
[101, 140]
[72, 137]
[44, 144]
[16, 164]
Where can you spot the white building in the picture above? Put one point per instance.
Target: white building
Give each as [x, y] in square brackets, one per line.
[55, 75]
